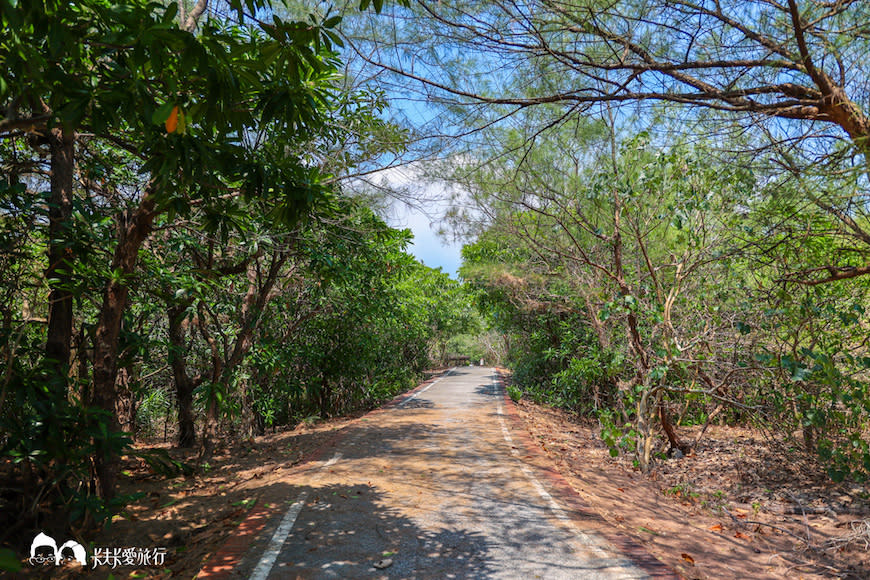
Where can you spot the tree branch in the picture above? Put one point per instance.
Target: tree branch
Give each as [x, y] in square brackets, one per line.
[820, 79]
[193, 16]
[836, 273]
[30, 124]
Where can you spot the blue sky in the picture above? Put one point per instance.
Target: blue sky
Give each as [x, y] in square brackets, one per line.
[430, 248]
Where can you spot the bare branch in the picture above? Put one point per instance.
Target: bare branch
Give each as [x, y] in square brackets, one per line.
[836, 273]
[193, 16]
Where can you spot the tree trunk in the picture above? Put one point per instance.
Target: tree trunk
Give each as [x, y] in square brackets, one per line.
[644, 431]
[60, 299]
[209, 428]
[257, 296]
[258, 419]
[670, 431]
[212, 422]
[184, 384]
[133, 228]
[325, 398]
[186, 418]
[246, 409]
[594, 319]
[125, 404]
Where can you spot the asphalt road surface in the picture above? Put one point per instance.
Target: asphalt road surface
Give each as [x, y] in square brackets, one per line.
[434, 487]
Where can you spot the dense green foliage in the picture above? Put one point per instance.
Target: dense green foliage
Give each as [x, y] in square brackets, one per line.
[668, 204]
[179, 248]
[655, 288]
[182, 251]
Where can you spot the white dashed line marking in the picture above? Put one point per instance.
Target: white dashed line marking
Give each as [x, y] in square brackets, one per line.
[590, 542]
[264, 566]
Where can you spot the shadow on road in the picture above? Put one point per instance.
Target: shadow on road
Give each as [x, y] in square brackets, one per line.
[345, 530]
[488, 390]
[461, 371]
[417, 403]
[429, 490]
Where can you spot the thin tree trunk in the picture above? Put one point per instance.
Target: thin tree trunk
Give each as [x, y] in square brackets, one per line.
[325, 398]
[217, 360]
[184, 384]
[604, 348]
[670, 431]
[84, 356]
[706, 425]
[60, 299]
[256, 298]
[125, 403]
[135, 226]
[644, 430]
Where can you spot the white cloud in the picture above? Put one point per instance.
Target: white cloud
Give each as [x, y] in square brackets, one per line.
[420, 205]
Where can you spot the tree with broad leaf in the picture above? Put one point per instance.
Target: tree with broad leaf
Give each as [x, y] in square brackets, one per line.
[181, 107]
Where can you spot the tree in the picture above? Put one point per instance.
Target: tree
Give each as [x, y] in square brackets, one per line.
[763, 59]
[446, 306]
[186, 113]
[626, 246]
[787, 77]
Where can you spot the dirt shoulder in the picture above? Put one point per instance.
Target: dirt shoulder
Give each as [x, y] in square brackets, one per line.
[736, 508]
[193, 516]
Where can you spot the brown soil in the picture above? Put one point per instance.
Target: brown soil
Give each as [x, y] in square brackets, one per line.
[740, 506]
[735, 508]
[193, 516]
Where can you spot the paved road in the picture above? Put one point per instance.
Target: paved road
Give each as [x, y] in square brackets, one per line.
[431, 488]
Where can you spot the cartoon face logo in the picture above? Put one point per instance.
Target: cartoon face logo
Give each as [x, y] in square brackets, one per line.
[44, 550]
[70, 551]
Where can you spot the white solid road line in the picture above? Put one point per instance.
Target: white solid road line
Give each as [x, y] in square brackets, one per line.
[267, 561]
[421, 391]
[596, 546]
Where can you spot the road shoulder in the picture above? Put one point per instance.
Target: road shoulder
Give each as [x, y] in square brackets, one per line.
[680, 524]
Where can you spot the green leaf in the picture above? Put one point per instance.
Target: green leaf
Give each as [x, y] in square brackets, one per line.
[800, 374]
[171, 11]
[658, 372]
[9, 562]
[836, 475]
[182, 123]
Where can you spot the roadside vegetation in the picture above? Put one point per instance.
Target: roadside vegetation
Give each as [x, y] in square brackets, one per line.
[656, 288]
[185, 255]
[665, 204]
